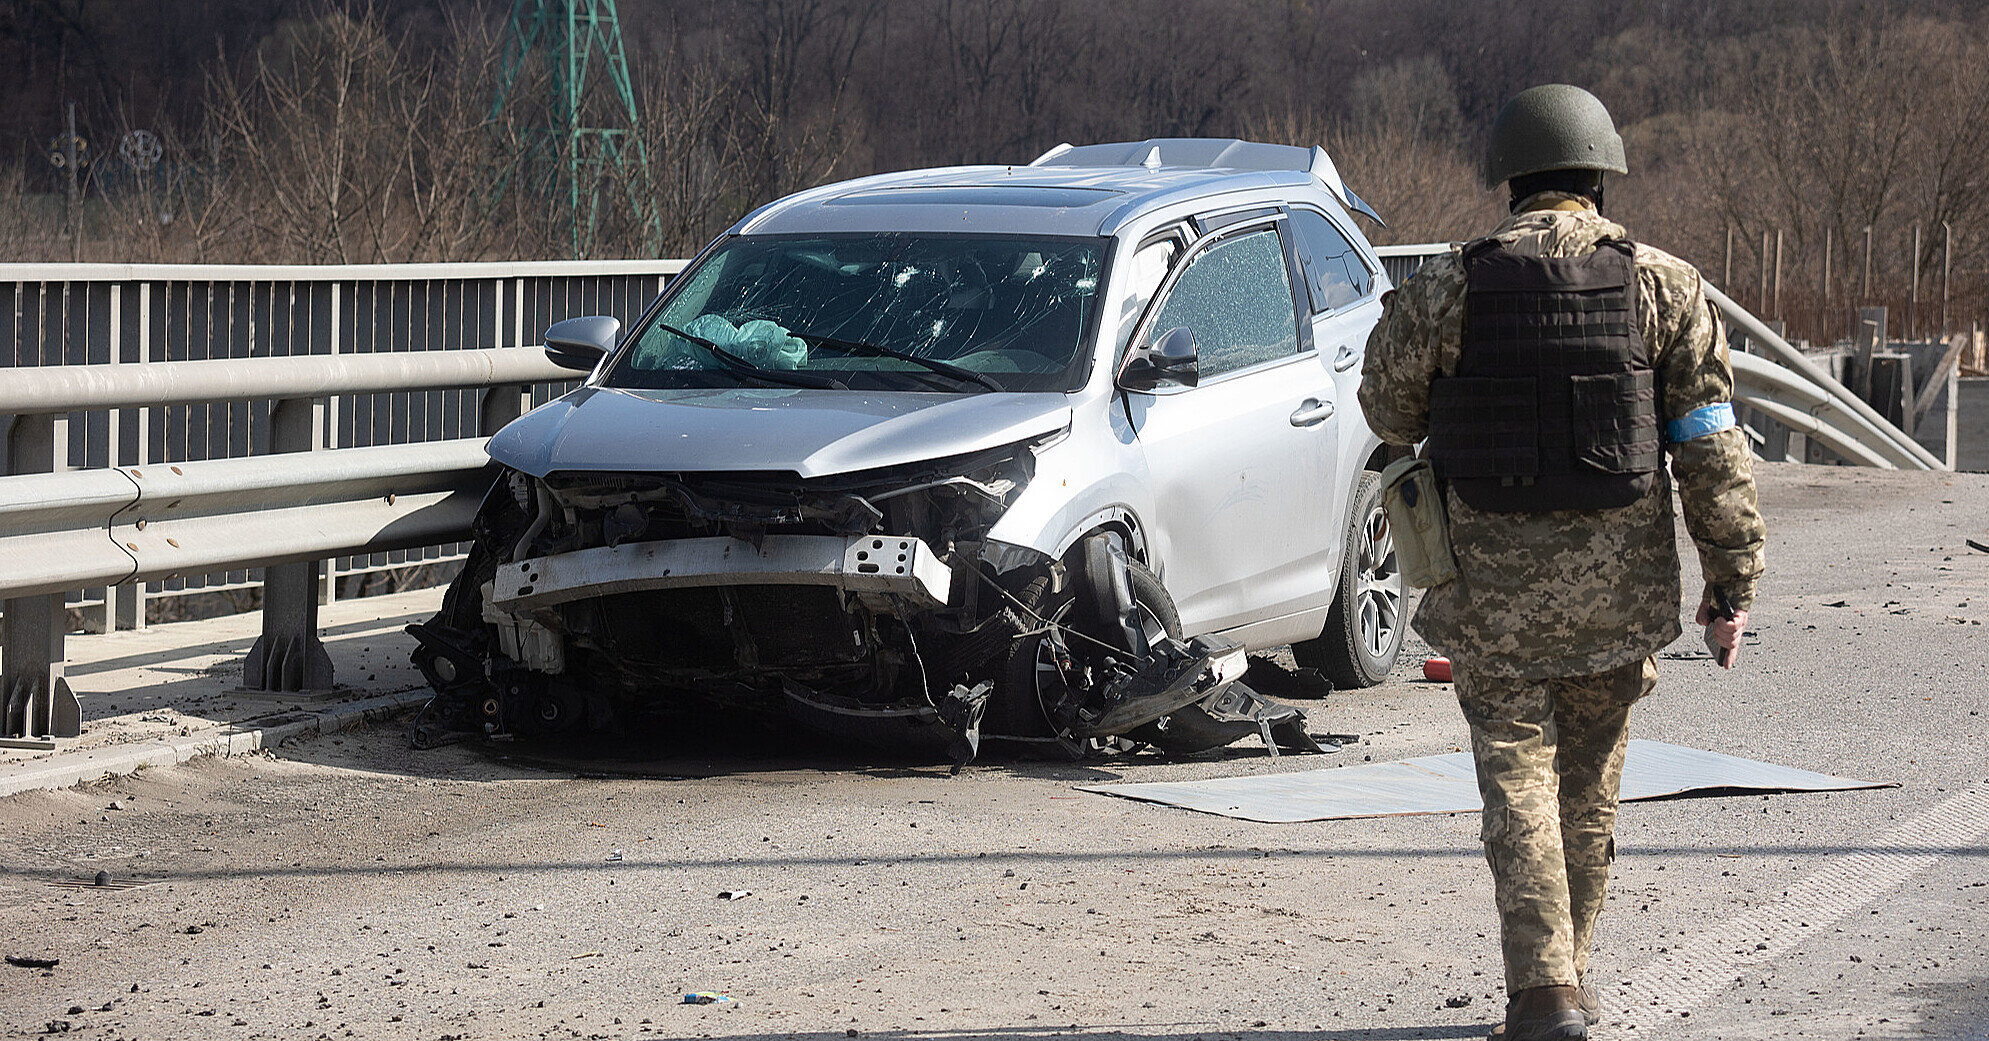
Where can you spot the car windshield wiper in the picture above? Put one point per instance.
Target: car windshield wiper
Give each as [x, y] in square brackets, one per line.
[944, 368]
[744, 367]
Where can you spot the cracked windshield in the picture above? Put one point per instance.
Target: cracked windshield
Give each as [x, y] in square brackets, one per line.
[962, 314]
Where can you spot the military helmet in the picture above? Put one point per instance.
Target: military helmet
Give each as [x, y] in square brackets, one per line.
[1552, 127]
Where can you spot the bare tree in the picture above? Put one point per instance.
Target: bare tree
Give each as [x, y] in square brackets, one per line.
[794, 70]
[343, 147]
[692, 165]
[1401, 153]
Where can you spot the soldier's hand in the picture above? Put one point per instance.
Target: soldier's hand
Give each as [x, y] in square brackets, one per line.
[1722, 632]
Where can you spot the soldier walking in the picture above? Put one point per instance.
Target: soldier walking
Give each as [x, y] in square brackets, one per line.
[1551, 365]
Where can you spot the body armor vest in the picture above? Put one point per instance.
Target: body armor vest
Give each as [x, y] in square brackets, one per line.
[1554, 404]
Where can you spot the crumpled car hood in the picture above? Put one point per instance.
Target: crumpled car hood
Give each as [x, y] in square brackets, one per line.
[812, 433]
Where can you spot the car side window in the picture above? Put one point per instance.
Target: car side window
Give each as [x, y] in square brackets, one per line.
[1334, 274]
[1236, 298]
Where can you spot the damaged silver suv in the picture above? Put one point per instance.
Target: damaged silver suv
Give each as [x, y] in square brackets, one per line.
[1031, 453]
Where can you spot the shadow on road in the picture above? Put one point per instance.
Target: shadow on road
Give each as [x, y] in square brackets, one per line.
[1135, 1032]
[711, 744]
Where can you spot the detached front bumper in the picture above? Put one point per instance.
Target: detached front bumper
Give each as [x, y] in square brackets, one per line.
[898, 566]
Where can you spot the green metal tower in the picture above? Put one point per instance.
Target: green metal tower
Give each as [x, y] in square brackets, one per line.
[593, 134]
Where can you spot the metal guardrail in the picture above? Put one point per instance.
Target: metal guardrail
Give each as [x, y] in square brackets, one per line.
[70, 388]
[120, 526]
[150, 380]
[67, 531]
[1856, 420]
[93, 316]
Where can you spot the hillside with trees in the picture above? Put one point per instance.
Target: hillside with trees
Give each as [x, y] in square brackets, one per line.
[1797, 150]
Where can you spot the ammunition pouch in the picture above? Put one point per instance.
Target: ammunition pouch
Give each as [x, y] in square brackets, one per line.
[1413, 499]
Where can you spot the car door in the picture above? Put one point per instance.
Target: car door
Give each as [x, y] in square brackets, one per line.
[1339, 291]
[1237, 463]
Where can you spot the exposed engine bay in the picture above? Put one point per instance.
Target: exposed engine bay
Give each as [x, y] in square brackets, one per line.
[870, 606]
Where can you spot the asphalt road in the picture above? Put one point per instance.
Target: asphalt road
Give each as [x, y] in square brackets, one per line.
[353, 888]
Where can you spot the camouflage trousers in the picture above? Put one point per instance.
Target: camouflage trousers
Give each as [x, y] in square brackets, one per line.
[1550, 755]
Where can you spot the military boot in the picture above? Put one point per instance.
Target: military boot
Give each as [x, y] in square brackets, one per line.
[1545, 1014]
[1585, 999]
[1589, 1002]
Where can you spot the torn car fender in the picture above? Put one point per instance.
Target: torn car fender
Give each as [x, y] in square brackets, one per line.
[1082, 483]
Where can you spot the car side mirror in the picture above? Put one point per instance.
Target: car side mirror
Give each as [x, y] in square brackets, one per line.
[580, 343]
[1171, 359]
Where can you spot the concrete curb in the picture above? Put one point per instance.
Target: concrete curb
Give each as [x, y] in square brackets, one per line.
[73, 768]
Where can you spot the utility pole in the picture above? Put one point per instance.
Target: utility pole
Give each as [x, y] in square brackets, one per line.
[1761, 268]
[1947, 270]
[1866, 294]
[72, 197]
[1778, 274]
[1913, 304]
[594, 135]
[1823, 319]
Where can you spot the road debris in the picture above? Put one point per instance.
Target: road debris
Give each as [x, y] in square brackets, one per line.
[1269, 676]
[734, 894]
[25, 962]
[707, 997]
[1437, 670]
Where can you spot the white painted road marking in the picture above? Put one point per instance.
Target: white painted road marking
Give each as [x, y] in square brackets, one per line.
[1692, 973]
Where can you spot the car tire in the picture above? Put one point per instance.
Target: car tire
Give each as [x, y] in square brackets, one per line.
[1023, 703]
[1363, 634]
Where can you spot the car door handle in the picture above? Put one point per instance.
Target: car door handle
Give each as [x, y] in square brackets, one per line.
[1312, 412]
[1345, 359]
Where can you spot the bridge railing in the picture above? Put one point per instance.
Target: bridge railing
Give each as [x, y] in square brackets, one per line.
[120, 527]
[143, 377]
[113, 315]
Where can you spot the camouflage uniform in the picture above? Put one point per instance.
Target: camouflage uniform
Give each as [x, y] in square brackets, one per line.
[1554, 616]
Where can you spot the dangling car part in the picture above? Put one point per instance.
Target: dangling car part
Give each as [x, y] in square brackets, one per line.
[932, 459]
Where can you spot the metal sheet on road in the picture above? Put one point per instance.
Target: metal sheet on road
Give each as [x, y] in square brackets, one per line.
[1448, 784]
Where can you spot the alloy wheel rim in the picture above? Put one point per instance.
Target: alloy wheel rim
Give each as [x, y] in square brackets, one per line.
[1378, 594]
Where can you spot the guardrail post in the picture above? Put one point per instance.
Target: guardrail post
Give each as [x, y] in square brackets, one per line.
[289, 656]
[129, 612]
[497, 406]
[35, 699]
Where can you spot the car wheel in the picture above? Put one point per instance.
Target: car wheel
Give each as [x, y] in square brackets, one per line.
[1363, 634]
[1050, 673]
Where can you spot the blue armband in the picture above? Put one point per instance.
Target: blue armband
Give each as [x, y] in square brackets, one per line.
[1700, 422]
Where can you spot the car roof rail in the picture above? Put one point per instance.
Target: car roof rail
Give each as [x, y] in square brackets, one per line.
[1212, 153]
